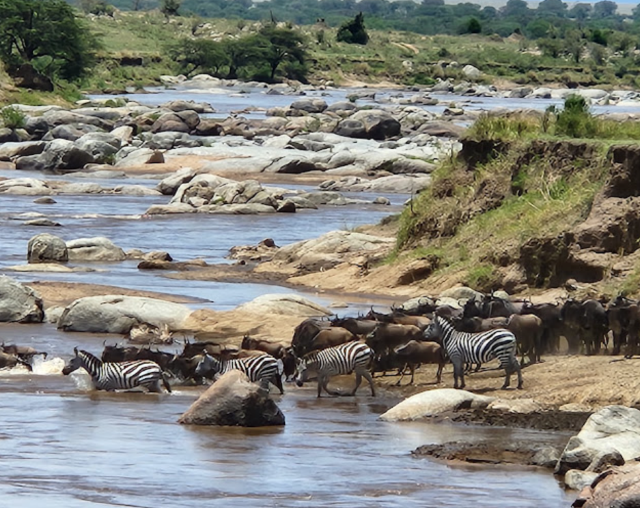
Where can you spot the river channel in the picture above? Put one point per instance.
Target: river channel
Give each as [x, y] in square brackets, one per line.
[66, 447]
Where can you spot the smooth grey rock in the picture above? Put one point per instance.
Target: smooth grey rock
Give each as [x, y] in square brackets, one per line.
[12, 150]
[94, 249]
[309, 105]
[169, 185]
[138, 157]
[117, 314]
[234, 401]
[575, 479]
[546, 457]
[170, 208]
[433, 403]
[182, 105]
[19, 303]
[45, 248]
[611, 429]
[42, 223]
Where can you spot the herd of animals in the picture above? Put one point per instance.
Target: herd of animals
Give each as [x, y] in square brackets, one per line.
[481, 330]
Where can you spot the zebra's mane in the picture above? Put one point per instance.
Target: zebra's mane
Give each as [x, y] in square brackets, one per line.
[85, 355]
[311, 357]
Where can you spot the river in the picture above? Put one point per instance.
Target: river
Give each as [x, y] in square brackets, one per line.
[66, 447]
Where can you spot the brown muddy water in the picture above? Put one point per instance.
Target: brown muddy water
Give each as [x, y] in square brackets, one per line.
[63, 446]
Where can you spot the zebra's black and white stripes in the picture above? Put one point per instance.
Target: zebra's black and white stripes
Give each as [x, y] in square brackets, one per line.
[343, 359]
[257, 368]
[119, 375]
[476, 348]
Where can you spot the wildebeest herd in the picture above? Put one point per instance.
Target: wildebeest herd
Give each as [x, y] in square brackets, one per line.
[470, 334]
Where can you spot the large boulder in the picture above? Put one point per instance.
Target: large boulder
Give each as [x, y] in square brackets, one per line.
[234, 400]
[19, 303]
[94, 249]
[433, 403]
[609, 430]
[328, 250]
[378, 124]
[117, 314]
[59, 154]
[45, 248]
[619, 487]
[283, 304]
[169, 185]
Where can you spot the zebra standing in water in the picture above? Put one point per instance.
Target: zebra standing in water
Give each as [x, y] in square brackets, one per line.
[333, 361]
[480, 347]
[119, 375]
[263, 368]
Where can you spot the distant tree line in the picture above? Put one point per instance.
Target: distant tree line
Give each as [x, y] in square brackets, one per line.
[271, 53]
[551, 18]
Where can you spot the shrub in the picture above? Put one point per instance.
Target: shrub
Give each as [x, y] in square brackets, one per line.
[12, 118]
[575, 120]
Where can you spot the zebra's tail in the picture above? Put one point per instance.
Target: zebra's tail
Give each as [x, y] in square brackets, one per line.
[165, 381]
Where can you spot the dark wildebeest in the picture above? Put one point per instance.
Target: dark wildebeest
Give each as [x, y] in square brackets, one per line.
[494, 306]
[357, 326]
[528, 330]
[552, 324]
[588, 321]
[399, 318]
[416, 353]
[623, 315]
[25, 353]
[115, 354]
[8, 361]
[305, 332]
[384, 339]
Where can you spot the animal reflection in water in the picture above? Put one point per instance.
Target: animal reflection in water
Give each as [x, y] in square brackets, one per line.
[118, 376]
[343, 359]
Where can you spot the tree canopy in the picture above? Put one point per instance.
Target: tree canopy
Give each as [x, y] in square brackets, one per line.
[46, 34]
[353, 32]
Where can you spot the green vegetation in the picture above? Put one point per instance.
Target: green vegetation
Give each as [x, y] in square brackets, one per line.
[46, 34]
[573, 121]
[476, 220]
[353, 32]
[12, 118]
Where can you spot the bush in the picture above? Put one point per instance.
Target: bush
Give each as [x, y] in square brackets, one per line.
[353, 32]
[12, 118]
[575, 120]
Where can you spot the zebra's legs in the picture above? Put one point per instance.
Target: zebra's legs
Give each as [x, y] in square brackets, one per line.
[369, 379]
[277, 382]
[154, 386]
[458, 372]
[358, 381]
[322, 385]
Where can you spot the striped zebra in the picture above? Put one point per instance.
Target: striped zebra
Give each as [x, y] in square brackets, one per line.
[118, 375]
[262, 368]
[476, 348]
[343, 359]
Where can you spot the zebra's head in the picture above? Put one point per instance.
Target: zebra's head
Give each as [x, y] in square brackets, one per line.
[208, 364]
[433, 332]
[74, 364]
[302, 371]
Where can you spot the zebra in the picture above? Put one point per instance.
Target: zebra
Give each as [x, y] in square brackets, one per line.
[343, 359]
[476, 348]
[263, 368]
[118, 375]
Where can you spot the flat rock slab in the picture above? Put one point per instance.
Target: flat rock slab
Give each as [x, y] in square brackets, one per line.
[433, 403]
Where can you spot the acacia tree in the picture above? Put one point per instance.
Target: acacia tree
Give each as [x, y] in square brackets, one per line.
[47, 34]
[282, 45]
[243, 52]
[202, 55]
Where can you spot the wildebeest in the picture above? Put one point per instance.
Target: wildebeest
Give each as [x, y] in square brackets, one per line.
[275, 349]
[416, 353]
[357, 326]
[8, 361]
[25, 353]
[528, 330]
[305, 332]
[551, 316]
[587, 320]
[623, 315]
[399, 318]
[112, 354]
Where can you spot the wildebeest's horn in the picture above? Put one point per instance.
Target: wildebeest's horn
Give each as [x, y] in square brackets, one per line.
[75, 351]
